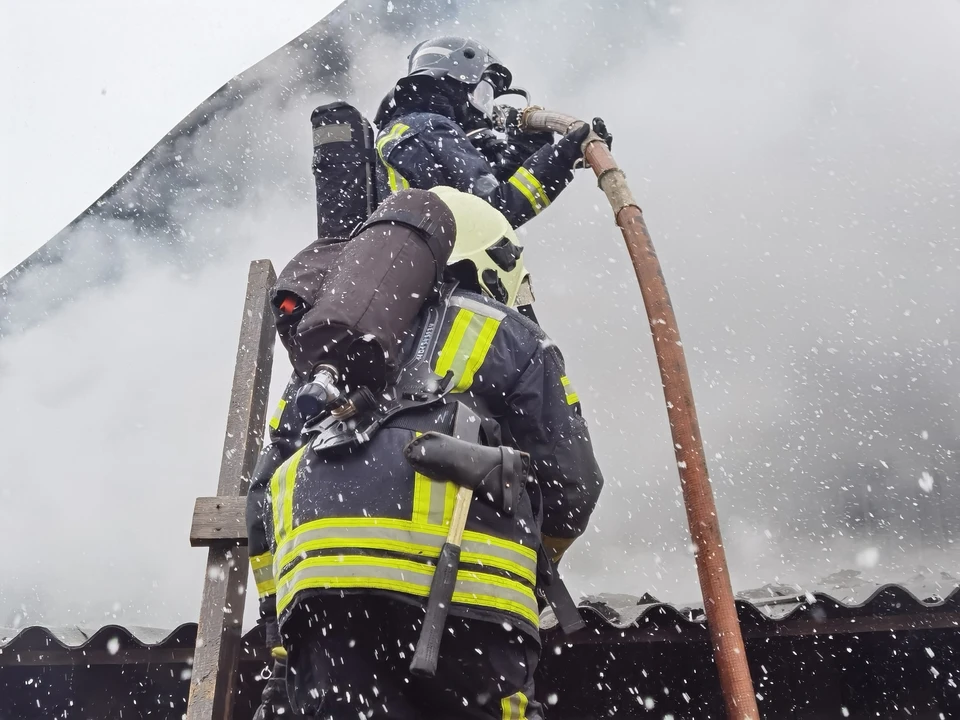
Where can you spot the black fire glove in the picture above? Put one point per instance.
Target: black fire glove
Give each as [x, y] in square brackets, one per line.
[600, 128]
[488, 143]
[274, 704]
[570, 146]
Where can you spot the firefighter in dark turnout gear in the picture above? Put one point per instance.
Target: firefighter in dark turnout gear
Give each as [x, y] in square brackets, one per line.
[435, 129]
[342, 544]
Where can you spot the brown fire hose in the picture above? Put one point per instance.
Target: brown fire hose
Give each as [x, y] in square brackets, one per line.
[728, 647]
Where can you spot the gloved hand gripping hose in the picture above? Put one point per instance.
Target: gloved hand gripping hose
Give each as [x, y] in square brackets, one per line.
[729, 651]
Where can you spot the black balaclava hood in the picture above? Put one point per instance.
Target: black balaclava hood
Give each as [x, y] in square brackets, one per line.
[421, 93]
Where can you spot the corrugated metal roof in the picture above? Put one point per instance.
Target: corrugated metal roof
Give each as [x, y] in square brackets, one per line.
[773, 607]
[890, 652]
[606, 614]
[110, 638]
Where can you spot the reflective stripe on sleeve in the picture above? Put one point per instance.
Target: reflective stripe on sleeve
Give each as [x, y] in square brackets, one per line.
[535, 184]
[395, 179]
[262, 566]
[524, 181]
[514, 707]
[405, 576]
[278, 414]
[572, 397]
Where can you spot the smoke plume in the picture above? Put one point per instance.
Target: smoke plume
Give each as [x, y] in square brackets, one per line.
[798, 167]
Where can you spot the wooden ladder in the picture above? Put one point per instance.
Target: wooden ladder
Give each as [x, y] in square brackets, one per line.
[219, 523]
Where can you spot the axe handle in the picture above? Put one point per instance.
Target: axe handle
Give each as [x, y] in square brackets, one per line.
[427, 653]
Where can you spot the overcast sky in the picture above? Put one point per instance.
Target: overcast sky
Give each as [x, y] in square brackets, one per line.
[90, 87]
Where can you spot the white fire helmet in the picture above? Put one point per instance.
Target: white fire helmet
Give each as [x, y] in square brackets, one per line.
[487, 248]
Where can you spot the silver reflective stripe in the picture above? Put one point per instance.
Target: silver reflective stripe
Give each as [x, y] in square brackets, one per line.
[405, 576]
[438, 499]
[478, 307]
[445, 52]
[326, 134]
[262, 574]
[411, 542]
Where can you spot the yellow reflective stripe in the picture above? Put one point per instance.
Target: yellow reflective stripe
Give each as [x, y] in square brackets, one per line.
[281, 494]
[471, 553]
[466, 347]
[392, 175]
[261, 561]
[449, 500]
[572, 397]
[291, 481]
[266, 587]
[421, 496]
[276, 493]
[432, 500]
[395, 132]
[408, 538]
[406, 525]
[448, 352]
[514, 707]
[518, 184]
[535, 185]
[406, 576]
[262, 566]
[411, 567]
[395, 179]
[277, 414]
[524, 181]
[478, 354]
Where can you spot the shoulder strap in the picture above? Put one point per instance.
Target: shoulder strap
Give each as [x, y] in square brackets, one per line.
[417, 386]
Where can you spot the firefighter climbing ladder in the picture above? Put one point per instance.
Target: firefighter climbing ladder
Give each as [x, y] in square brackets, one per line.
[219, 522]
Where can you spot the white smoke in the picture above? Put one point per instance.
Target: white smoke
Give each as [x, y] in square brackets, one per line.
[798, 170]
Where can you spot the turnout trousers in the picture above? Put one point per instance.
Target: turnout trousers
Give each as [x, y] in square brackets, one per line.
[349, 658]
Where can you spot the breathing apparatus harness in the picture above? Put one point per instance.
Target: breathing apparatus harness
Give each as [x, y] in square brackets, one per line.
[339, 417]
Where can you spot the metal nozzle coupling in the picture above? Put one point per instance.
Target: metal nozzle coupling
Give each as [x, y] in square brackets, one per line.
[320, 393]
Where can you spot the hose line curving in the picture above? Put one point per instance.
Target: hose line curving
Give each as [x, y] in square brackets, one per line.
[724, 627]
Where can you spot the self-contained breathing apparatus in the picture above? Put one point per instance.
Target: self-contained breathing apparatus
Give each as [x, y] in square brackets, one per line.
[339, 417]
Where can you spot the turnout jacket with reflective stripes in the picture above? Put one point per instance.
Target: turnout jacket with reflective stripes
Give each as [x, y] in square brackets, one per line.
[364, 521]
[423, 150]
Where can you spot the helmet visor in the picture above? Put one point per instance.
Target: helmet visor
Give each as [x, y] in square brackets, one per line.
[482, 97]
